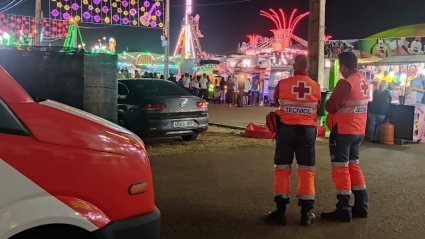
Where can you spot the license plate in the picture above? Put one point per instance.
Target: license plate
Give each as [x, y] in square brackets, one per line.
[182, 124]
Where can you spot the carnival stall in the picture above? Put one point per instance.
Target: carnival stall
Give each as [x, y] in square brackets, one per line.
[399, 71]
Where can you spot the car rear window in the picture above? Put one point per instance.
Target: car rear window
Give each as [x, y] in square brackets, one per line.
[148, 88]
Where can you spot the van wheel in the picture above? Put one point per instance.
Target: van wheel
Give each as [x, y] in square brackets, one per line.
[191, 137]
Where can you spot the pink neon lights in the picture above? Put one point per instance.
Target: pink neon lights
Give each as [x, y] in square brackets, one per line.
[285, 29]
[253, 40]
[146, 18]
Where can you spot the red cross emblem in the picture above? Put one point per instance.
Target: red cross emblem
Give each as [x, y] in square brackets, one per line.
[364, 87]
[301, 90]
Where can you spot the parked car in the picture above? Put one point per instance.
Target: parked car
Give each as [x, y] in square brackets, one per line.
[65, 173]
[158, 108]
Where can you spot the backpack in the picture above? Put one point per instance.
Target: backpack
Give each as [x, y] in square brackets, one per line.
[273, 122]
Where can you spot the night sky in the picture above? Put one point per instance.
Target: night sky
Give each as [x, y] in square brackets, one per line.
[224, 26]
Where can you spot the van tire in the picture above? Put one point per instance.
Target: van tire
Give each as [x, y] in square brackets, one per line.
[191, 137]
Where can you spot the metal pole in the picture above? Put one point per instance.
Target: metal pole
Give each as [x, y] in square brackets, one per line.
[75, 43]
[167, 37]
[37, 22]
[316, 34]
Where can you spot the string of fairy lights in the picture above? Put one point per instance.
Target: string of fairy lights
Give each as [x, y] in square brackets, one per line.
[137, 13]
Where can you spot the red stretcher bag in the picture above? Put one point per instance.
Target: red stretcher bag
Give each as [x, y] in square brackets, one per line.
[272, 122]
[259, 132]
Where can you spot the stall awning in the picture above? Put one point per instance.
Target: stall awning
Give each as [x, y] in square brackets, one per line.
[399, 60]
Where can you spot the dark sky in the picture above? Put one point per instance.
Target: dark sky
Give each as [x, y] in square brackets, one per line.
[224, 26]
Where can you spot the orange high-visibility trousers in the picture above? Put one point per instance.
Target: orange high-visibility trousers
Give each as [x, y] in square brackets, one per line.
[298, 141]
[346, 173]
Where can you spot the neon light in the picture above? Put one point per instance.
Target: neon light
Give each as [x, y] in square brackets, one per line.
[253, 40]
[285, 29]
[146, 19]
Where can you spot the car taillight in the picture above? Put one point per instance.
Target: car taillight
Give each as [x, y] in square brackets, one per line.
[156, 106]
[202, 104]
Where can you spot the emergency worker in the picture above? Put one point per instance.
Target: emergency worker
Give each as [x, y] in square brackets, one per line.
[347, 108]
[299, 99]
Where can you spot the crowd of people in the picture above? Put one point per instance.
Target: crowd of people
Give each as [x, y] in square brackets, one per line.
[233, 91]
[123, 74]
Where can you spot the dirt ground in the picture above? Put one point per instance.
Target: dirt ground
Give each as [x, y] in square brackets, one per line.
[216, 138]
[225, 194]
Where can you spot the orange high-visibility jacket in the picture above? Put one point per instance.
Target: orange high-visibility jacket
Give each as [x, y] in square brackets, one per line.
[352, 116]
[299, 98]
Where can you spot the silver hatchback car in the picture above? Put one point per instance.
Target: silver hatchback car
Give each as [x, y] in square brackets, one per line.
[159, 108]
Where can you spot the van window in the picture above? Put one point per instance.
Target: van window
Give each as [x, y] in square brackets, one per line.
[9, 124]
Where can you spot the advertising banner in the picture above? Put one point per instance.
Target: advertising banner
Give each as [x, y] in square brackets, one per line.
[332, 49]
[411, 45]
[378, 48]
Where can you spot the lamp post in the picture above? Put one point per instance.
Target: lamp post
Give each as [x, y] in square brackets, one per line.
[167, 38]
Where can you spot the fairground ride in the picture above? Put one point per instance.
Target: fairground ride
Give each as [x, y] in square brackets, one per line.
[188, 44]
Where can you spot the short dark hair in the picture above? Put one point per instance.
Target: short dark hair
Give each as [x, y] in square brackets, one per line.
[348, 59]
[301, 62]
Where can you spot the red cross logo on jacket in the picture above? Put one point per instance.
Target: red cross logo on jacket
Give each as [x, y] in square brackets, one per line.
[301, 90]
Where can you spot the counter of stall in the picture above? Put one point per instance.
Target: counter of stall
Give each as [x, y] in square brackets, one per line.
[407, 116]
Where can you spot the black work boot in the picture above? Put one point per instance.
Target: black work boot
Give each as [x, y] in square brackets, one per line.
[307, 217]
[279, 215]
[361, 204]
[343, 211]
[339, 215]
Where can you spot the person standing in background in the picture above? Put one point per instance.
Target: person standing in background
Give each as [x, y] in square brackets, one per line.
[137, 74]
[204, 87]
[229, 94]
[126, 75]
[120, 75]
[172, 78]
[241, 90]
[246, 91]
[418, 86]
[186, 82]
[195, 85]
[379, 110]
[222, 90]
[235, 89]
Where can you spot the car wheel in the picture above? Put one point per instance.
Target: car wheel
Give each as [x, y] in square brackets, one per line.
[191, 137]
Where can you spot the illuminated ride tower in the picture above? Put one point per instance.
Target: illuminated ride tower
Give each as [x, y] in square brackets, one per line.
[188, 45]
